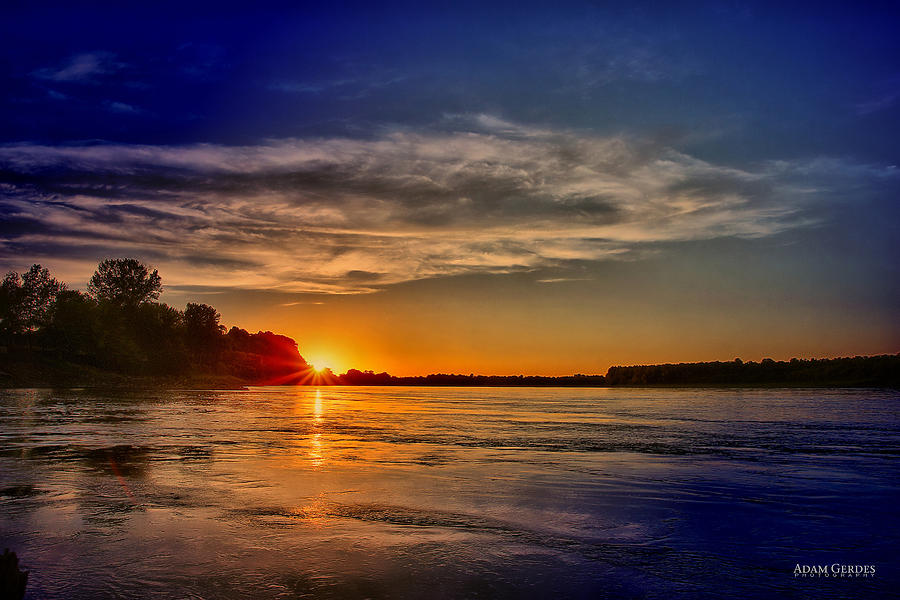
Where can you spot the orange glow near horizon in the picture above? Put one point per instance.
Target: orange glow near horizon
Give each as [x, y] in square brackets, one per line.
[489, 327]
[305, 376]
[322, 361]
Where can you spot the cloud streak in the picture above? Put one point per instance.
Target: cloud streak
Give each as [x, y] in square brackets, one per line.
[344, 215]
[86, 67]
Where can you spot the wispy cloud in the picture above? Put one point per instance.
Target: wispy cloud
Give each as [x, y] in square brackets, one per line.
[563, 279]
[123, 108]
[612, 55]
[885, 95]
[346, 215]
[300, 87]
[86, 67]
[346, 88]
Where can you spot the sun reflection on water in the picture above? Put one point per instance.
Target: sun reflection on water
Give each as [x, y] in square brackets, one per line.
[315, 448]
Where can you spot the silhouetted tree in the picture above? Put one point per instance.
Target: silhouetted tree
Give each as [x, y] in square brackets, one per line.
[159, 331]
[263, 356]
[11, 317]
[25, 301]
[117, 348]
[74, 326]
[125, 282]
[204, 334]
[202, 321]
[278, 354]
[119, 327]
[40, 291]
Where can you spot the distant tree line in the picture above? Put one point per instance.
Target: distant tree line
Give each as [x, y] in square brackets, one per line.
[356, 377]
[119, 326]
[856, 371]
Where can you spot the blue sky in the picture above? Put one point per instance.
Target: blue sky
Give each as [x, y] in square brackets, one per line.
[777, 82]
[284, 156]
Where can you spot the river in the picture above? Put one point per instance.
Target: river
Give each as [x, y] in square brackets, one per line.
[346, 492]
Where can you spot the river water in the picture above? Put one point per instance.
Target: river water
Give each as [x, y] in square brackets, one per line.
[346, 492]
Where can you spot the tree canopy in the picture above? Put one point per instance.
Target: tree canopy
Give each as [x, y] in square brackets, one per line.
[120, 328]
[126, 282]
[25, 300]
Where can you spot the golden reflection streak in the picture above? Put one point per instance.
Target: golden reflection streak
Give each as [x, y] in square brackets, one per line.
[316, 512]
[315, 451]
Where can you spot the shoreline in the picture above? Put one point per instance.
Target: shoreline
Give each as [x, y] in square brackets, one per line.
[229, 383]
[863, 372]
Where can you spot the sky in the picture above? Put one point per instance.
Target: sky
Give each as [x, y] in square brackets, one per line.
[503, 189]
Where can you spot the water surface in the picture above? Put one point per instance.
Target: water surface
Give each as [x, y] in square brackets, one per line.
[346, 492]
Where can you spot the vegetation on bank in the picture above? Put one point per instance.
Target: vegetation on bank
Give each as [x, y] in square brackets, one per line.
[119, 334]
[857, 371]
[355, 377]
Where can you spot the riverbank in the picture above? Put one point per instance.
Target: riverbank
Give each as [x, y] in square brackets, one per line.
[856, 372]
[61, 374]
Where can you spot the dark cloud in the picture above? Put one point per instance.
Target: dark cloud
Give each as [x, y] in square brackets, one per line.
[12, 226]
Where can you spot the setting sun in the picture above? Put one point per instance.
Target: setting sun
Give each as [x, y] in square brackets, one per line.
[320, 363]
